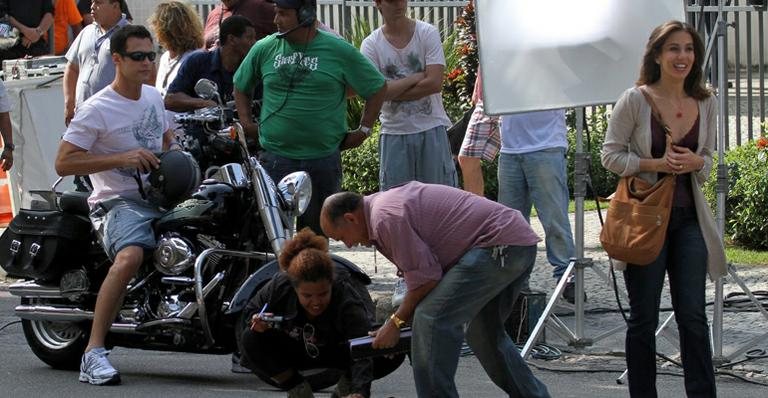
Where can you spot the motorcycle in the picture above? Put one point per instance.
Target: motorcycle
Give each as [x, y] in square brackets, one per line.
[214, 251]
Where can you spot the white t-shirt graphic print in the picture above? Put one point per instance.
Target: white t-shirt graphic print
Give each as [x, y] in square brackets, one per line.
[108, 123]
[425, 48]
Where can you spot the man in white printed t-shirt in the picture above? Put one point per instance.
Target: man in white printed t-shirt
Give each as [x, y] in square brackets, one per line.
[413, 143]
[114, 137]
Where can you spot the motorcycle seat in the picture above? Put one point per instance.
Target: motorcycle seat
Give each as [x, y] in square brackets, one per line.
[75, 202]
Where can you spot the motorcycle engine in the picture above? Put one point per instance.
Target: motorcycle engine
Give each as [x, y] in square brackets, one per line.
[174, 254]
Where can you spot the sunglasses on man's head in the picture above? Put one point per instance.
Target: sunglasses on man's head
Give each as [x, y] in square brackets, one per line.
[139, 56]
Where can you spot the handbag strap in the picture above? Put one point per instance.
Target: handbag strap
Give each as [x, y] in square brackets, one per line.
[655, 110]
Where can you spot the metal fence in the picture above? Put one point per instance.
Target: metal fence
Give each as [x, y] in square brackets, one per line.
[341, 15]
[746, 98]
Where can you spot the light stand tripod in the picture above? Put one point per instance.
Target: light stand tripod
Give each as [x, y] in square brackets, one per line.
[578, 265]
[722, 192]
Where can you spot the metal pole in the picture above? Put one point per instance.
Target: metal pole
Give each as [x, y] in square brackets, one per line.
[722, 179]
[579, 191]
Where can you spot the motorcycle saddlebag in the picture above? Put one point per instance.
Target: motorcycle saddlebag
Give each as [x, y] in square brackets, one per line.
[39, 244]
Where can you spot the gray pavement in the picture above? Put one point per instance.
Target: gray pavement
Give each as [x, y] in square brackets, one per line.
[739, 328]
[579, 372]
[171, 375]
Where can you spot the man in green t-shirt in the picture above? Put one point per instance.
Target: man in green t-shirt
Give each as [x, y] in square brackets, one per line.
[306, 75]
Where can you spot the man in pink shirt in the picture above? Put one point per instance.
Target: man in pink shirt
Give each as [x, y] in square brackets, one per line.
[464, 259]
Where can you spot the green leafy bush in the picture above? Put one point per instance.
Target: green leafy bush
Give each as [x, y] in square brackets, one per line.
[361, 166]
[746, 205]
[461, 62]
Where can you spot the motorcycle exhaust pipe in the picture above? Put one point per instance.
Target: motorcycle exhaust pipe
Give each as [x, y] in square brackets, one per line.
[55, 314]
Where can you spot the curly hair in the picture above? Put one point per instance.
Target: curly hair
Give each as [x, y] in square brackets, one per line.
[650, 71]
[305, 258]
[177, 27]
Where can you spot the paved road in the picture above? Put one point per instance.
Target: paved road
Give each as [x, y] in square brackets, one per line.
[150, 373]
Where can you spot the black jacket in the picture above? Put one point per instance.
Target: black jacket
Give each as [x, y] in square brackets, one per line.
[346, 317]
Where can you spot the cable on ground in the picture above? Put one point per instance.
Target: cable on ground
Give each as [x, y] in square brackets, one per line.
[8, 324]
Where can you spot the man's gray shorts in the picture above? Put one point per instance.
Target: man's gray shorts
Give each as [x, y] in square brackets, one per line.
[424, 157]
[122, 223]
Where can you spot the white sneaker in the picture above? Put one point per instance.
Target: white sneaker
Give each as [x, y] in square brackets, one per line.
[96, 369]
[399, 293]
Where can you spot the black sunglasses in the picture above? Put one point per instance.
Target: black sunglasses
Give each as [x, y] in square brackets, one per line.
[139, 56]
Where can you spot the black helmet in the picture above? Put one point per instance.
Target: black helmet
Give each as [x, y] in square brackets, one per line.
[175, 180]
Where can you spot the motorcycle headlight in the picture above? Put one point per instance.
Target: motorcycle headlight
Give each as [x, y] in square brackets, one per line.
[296, 190]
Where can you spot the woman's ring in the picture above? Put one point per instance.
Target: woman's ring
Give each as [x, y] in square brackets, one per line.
[679, 166]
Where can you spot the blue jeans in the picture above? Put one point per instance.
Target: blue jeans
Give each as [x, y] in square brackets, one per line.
[684, 259]
[539, 179]
[480, 290]
[326, 180]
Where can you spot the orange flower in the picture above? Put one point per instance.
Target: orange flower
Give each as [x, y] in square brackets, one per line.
[452, 75]
[762, 142]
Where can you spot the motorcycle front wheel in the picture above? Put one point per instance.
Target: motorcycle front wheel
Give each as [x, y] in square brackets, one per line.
[58, 344]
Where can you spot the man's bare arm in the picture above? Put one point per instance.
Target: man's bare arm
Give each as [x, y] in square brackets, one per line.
[432, 83]
[243, 106]
[396, 88]
[71, 159]
[71, 74]
[182, 102]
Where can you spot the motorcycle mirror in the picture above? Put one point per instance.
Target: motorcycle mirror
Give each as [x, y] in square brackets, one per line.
[206, 89]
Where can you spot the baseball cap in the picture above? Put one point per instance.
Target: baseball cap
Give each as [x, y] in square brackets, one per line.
[294, 4]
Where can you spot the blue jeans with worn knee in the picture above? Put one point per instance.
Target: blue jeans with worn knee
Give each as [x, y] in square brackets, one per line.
[539, 179]
[684, 259]
[479, 290]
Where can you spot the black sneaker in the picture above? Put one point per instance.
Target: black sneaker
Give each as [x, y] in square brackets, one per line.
[569, 293]
[237, 365]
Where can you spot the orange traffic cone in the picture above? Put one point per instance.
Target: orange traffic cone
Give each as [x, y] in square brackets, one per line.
[6, 208]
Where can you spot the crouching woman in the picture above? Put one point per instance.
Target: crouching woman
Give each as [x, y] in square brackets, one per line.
[321, 311]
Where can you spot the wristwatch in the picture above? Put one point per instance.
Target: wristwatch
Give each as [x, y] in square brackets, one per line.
[397, 321]
[9, 147]
[365, 130]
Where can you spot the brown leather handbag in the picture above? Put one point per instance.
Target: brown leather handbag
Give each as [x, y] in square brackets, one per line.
[636, 225]
[638, 216]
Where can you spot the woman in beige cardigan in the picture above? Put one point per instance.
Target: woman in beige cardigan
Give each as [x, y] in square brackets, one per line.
[636, 144]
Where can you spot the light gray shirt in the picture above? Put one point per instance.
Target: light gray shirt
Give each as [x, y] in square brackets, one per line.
[90, 52]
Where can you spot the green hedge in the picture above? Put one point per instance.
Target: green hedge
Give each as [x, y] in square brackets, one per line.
[361, 166]
[746, 205]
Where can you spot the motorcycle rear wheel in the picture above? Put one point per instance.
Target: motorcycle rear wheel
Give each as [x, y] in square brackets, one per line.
[58, 344]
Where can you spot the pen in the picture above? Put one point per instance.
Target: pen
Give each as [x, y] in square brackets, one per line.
[264, 308]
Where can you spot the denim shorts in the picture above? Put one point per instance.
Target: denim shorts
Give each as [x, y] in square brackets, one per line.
[121, 223]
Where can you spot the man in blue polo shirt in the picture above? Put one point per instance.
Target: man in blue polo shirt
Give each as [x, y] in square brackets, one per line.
[218, 65]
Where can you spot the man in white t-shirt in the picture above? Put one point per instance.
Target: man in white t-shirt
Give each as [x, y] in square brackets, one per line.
[532, 171]
[114, 137]
[414, 143]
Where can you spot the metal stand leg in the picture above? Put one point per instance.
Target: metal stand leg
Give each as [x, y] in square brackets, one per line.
[577, 265]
